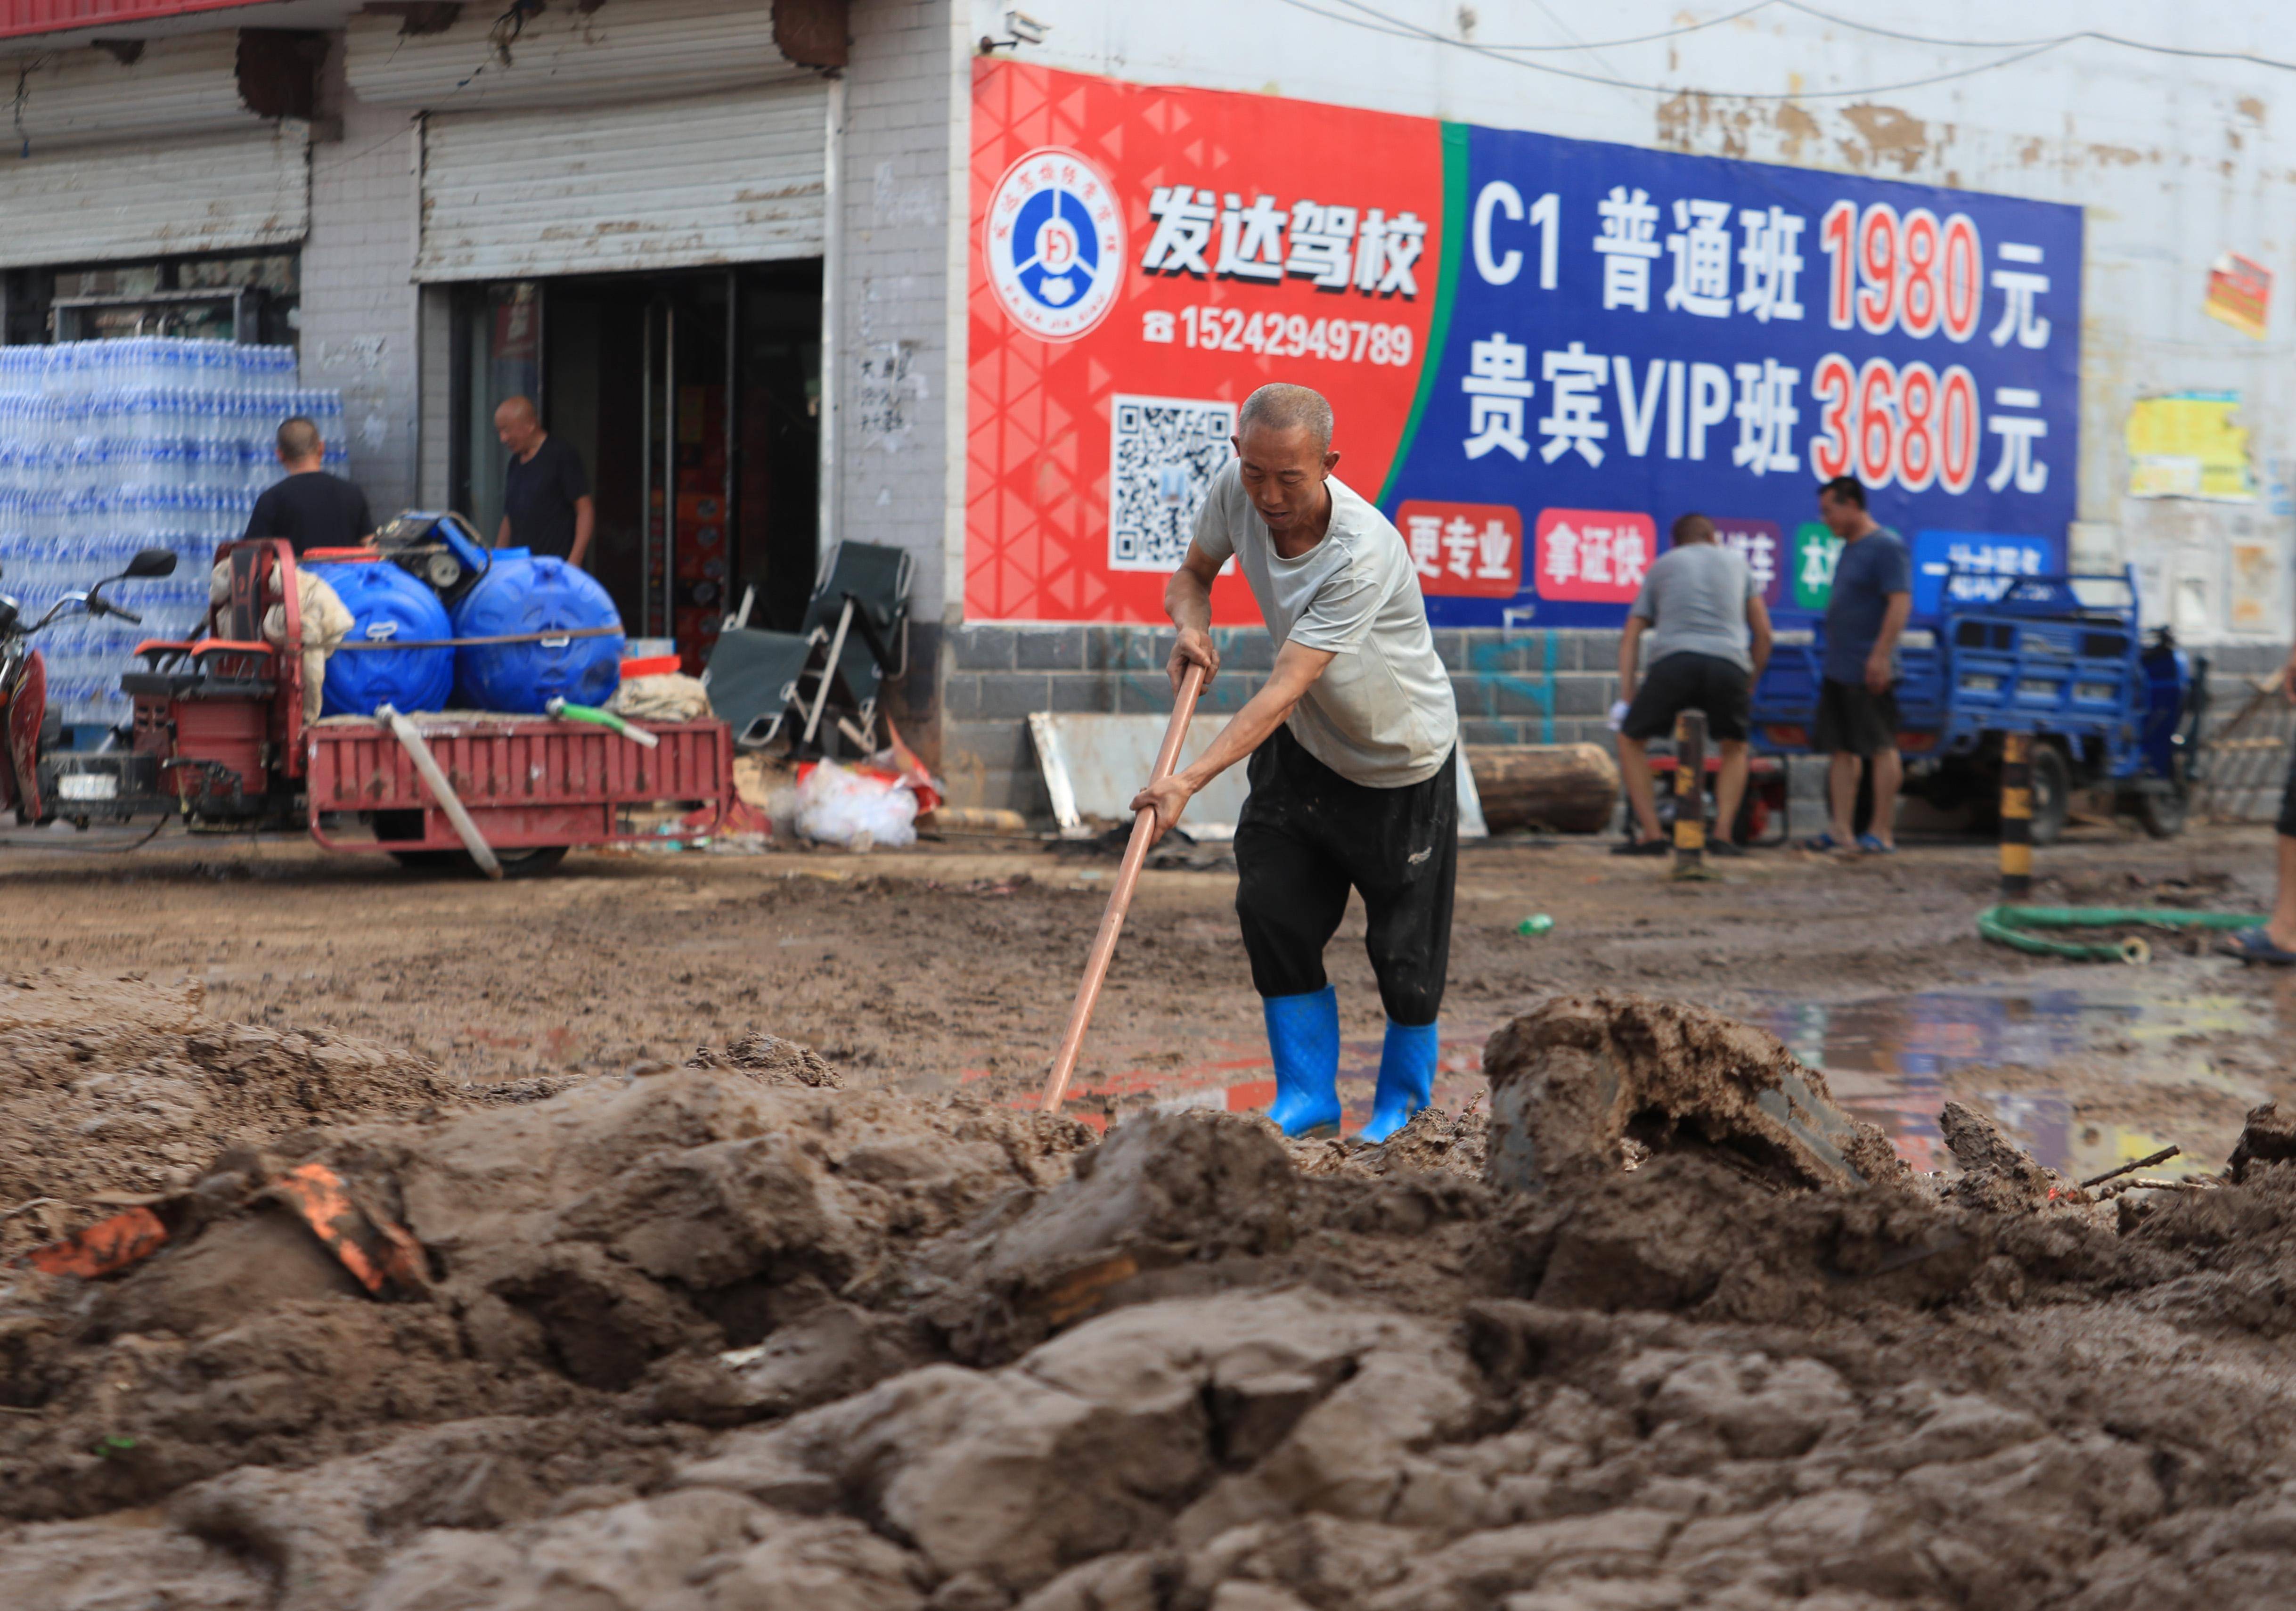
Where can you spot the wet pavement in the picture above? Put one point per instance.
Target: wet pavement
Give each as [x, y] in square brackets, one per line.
[923, 968]
[1889, 1059]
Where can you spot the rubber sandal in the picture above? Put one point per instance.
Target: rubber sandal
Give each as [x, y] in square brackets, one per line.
[1873, 846]
[2255, 945]
[1641, 847]
[1724, 848]
[1823, 843]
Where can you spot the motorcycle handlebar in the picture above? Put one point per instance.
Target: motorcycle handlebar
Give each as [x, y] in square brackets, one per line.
[91, 603]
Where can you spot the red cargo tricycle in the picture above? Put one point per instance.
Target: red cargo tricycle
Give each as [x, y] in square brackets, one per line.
[218, 740]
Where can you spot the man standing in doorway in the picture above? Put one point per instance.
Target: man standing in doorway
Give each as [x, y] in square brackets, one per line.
[1353, 745]
[1858, 700]
[310, 509]
[1709, 638]
[546, 504]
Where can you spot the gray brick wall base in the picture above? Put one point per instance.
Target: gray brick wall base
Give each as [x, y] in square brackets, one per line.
[1541, 686]
[971, 690]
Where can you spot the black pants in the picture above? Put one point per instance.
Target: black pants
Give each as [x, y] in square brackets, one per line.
[2287, 826]
[1687, 681]
[1307, 835]
[1853, 719]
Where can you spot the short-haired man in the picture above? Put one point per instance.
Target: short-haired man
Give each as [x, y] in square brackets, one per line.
[1353, 746]
[311, 509]
[1857, 700]
[547, 505]
[1709, 638]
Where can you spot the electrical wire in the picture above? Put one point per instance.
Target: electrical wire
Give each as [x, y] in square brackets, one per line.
[395, 135]
[1397, 27]
[1408, 30]
[1372, 19]
[2086, 33]
[25, 68]
[1652, 39]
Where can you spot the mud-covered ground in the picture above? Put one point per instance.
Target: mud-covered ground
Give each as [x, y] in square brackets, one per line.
[959, 962]
[748, 1280]
[746, 1335]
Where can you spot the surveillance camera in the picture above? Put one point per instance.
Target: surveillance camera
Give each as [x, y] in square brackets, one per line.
[1024, 28]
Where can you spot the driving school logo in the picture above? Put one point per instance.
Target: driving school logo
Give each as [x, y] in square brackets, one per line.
[1054, 242]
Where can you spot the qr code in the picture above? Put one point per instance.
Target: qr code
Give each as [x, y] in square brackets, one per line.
[1162, 454]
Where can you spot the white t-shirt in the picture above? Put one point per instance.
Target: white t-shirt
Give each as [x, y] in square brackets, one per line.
[1382, 713]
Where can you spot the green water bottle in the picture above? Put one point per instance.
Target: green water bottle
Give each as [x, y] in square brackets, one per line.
[1534, 925]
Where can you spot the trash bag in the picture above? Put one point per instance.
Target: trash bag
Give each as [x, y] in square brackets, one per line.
[856, 807]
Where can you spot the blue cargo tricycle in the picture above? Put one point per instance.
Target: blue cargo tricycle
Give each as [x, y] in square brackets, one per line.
[2059, 657]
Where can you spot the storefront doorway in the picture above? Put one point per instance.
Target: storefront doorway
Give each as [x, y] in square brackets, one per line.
[693, 400]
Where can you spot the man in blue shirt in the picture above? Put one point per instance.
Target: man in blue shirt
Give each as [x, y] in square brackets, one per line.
[1857, 701]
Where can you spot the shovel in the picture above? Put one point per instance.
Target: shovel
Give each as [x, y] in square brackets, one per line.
[1119, 898]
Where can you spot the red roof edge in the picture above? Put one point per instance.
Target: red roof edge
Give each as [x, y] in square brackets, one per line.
[18, 18]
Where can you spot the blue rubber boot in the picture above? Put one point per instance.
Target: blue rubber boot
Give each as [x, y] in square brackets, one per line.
[1303, 1031]
[1406, 1077]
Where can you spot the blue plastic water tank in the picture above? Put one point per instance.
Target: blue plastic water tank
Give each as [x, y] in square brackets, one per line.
[523, 594]
[387, 603]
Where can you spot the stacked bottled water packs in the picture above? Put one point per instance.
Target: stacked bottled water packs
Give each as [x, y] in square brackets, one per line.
[110, 447]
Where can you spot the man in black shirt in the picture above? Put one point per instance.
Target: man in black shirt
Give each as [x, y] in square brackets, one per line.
[311, 509]
[546, 497]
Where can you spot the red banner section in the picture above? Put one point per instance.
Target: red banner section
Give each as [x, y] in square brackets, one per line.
[1143, 259]
[1464, 550]
[22, 17]
[1593, 557]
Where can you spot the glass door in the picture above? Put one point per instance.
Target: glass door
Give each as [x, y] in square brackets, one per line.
[686, 461]
[497, 355]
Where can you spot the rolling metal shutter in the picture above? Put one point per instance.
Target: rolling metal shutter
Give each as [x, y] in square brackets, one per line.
[187, 86]
[143, 157]
[730, 178]
[568, 55]
[98, 203]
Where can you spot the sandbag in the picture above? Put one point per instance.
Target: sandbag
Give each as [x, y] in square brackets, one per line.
[671, 696]
[323, 619]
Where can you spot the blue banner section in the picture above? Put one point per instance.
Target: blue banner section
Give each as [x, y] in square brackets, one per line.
[1975, 567]
[1633, 335]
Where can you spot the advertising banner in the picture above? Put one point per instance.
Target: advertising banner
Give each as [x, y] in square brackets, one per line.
[1539, 351]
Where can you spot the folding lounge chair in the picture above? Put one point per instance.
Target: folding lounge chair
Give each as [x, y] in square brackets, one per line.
[862, 609]
[752, 677]
[855, 635]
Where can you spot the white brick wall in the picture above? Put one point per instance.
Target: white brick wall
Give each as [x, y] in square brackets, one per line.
[436, 400]
[899, 389]
[359, 301]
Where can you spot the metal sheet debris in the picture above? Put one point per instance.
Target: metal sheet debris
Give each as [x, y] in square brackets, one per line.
[1092, 765]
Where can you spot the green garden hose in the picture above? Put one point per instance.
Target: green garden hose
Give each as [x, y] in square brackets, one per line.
[2008, 924]
[567, 710]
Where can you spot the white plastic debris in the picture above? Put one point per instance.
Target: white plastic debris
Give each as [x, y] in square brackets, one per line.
[859, 808]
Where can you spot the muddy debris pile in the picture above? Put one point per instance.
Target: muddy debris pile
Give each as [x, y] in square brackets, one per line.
[1671, 1331]
[113, 1088]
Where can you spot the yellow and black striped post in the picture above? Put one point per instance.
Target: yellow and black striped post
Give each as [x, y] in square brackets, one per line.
[2016, 816]
[1690, 795]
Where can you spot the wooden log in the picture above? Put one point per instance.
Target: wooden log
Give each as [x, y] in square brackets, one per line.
[1565, 788]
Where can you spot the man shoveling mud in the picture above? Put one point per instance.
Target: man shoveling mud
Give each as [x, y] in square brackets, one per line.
[1353, 748]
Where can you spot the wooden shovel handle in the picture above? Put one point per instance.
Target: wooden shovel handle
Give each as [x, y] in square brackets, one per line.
[1120, 900]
